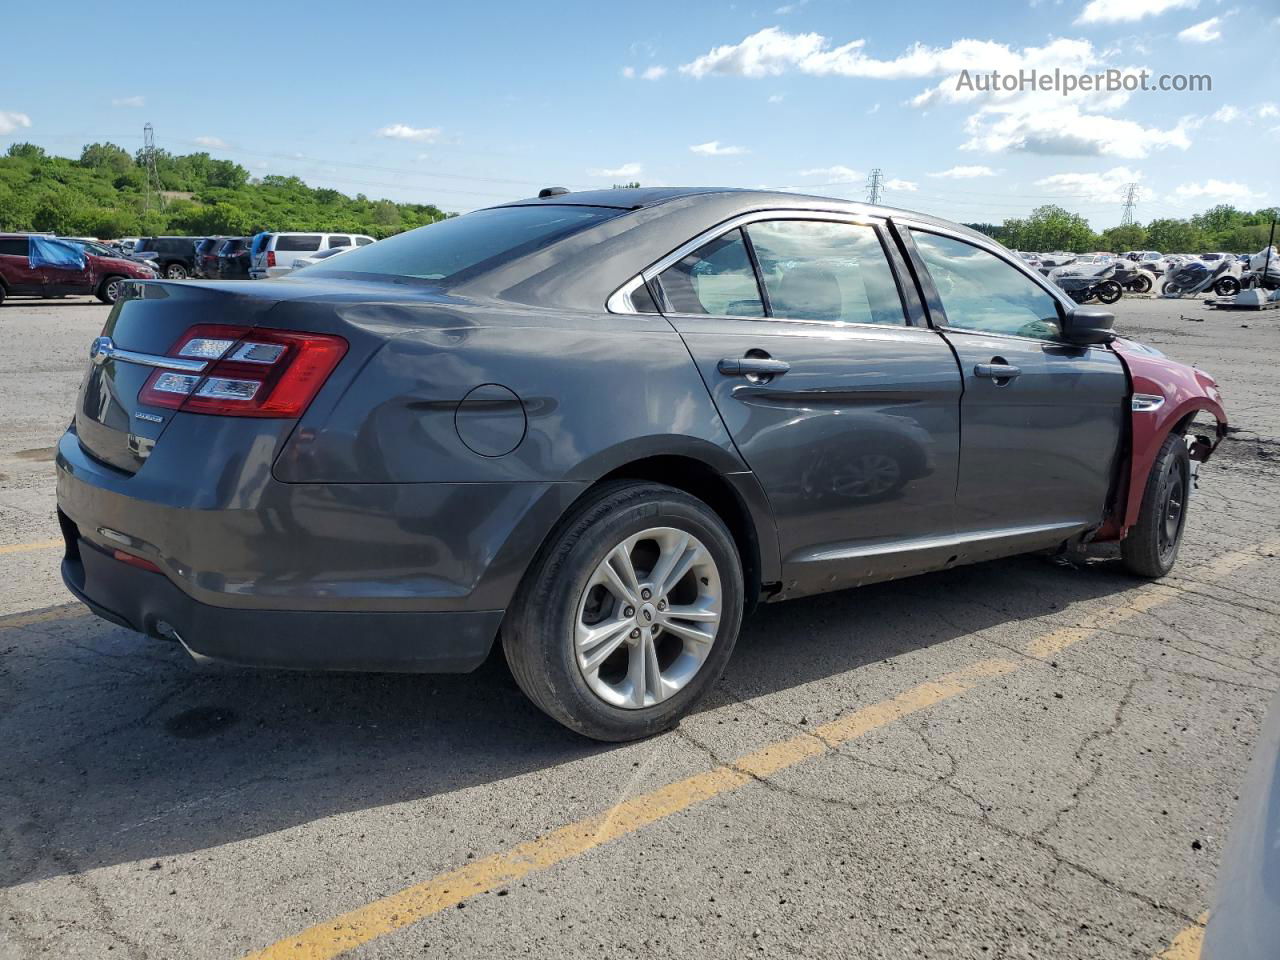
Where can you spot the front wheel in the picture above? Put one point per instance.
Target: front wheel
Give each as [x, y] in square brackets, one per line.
[1151, 548]
[1227, 287]
[629, 613]
[1109, 291]
[175, 271]
[110, 289]
[1143, 283]
[1172, 290]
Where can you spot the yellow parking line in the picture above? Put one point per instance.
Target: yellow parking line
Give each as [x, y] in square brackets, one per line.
[30, 547]
[359, 926]
[331, 938]
[66, 611]
[1186, 945]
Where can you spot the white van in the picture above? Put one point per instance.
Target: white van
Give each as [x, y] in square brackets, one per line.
[274, 253]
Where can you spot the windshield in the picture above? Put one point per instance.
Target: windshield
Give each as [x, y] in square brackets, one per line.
[468, 244]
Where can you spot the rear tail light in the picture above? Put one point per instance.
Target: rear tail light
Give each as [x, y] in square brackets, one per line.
[133, 561]
[271, 258]
[253, 373]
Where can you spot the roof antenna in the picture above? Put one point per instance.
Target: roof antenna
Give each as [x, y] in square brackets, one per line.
[551, 192]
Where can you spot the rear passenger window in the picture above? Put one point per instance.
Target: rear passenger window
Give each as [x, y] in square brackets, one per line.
[339, 242]
[298, 243]
[715, 279]
[979, 291]
[13, 246]
[363, 241]
[826, 271]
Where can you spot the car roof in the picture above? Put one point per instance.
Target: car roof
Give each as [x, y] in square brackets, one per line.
[639, 198]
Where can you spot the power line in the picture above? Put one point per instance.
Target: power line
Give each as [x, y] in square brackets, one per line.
[875, 183]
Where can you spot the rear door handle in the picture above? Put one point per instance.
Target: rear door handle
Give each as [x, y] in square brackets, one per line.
[752, 366]
[996, 371]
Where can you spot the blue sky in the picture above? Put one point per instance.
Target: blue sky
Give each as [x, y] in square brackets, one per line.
[465, 105]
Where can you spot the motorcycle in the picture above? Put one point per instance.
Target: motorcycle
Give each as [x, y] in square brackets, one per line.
[1194, 277]
[1133, 278]
[1082, 286]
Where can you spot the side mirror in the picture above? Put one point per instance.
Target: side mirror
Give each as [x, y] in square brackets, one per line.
[1088, 325]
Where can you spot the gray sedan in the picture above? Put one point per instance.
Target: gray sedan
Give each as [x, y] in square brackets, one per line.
[600, 428]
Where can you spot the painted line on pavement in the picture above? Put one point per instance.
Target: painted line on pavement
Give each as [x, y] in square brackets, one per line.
[347, 931]
[1186, 945]
[30, 547]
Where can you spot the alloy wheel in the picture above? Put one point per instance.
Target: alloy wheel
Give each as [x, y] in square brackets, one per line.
[647, 618]
[113, 290]
[176, 271]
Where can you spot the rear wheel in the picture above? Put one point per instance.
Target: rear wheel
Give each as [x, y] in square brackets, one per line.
[1172, 290]
[3, 292]
[1109, 291]
[1151, 548]
[629, 614]
[1143, 283]
[175, 271]
[110, 289]
[1227, 287]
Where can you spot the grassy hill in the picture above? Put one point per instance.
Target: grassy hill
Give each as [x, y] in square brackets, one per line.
[101, 194]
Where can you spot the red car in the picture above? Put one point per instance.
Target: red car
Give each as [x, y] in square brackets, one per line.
[102, 275]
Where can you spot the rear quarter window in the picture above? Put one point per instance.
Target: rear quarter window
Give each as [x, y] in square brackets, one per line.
[13, 246]
[298, 243]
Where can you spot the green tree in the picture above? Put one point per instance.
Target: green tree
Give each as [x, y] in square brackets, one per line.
[106, 156]
[25, 151]
[1175, 236]
[1124, 238]
[1050, 227]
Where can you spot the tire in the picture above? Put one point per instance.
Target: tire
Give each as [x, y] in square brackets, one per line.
[1142, 284]
[1109, 291]
[1151, 548]
[3, 293]
[1172, 290]
[110, 289]
[564, 598]
[1227, 287]
[175, 271]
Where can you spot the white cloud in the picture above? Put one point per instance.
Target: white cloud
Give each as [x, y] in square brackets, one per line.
[903, 185]
[965, 173]
[656, 72]
[1226, 191]
[1064, 130]
[836, 174]
[874, 108]
[712, 148]
[626, 171]
[217, 143]
[790, 7]
[1227, 114]
[402, 131]
[777, 98]
[1097, 186]
[1206, 31]
[129, 102]
[1128, 11]
[1265, 110]
[10, 122]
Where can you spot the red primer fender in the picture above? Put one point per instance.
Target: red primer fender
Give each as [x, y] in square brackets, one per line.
[1185, 390]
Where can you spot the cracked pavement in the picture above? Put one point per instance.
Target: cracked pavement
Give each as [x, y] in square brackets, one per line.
[1072, 807]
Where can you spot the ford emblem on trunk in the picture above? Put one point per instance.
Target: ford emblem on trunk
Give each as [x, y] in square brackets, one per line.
[101, 349]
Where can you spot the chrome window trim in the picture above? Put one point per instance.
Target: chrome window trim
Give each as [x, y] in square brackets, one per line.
[620, 300]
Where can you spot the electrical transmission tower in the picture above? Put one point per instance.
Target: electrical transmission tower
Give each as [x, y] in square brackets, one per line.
[152, 198]
[875, 183]
[1130, 201]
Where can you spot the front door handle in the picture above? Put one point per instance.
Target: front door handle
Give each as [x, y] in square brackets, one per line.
[752, 366]
[996, 371]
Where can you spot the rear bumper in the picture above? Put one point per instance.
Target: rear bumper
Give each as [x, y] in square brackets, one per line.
[376, 576]
[440, 642]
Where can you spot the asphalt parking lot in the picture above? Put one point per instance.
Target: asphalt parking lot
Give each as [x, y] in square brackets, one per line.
[1018, 759]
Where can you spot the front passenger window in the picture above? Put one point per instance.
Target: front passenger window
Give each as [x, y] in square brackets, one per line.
[715, 279]
[981, 292]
